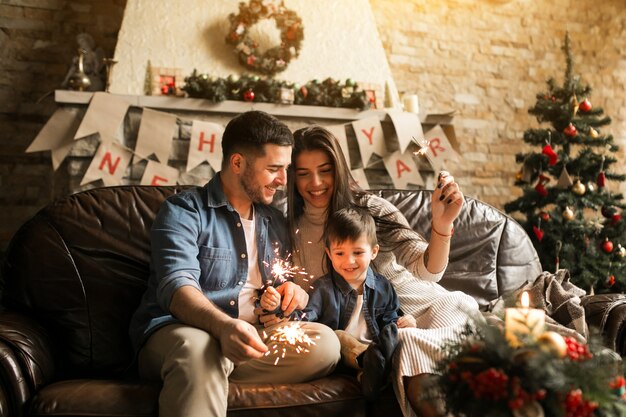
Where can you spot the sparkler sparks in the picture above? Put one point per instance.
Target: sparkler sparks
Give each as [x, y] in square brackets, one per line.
[290, 336]
[423, 144]
[282, 269]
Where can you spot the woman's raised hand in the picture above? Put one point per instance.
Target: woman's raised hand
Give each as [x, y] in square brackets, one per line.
[446, 204]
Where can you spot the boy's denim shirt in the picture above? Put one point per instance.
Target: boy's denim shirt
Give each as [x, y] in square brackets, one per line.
[197, 239]
[332, 302]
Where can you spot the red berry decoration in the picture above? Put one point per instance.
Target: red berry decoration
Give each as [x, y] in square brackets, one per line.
[570, 130]
[585, 105]
[248, 95]
[610, 281]
[607, 246]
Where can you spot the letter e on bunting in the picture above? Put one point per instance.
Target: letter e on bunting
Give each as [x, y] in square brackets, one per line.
[402, 169]
[369, 136]
[155, 135]
[205, 145]
[108, 164]
[159, 174]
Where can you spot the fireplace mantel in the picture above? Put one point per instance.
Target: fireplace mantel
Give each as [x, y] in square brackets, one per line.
[174, 104]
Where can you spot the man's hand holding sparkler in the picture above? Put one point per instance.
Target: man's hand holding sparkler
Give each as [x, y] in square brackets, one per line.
[240, 341]
[270, 299]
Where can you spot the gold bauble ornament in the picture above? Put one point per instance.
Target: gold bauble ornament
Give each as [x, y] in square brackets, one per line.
[621, 251]
[593, 133]
[578, 188]
[553, 342]
[568, 214]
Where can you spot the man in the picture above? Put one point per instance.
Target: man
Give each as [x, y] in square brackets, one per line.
[212, 249]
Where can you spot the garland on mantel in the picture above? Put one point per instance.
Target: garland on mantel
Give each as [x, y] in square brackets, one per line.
[251, 88]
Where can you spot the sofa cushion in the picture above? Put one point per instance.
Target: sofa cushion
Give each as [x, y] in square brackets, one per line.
[338, 395]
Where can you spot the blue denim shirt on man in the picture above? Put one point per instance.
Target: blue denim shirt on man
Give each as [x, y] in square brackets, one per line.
[332, 302]
[197, 239]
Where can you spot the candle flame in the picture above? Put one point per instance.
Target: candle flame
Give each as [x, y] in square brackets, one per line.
[525, 300]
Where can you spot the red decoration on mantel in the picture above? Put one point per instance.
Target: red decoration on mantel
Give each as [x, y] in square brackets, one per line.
[248, 95]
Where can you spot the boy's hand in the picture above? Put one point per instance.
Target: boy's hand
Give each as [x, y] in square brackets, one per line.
[406, 321]
[270, 299]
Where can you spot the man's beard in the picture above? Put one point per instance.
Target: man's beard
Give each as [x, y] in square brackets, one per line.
[252, 187]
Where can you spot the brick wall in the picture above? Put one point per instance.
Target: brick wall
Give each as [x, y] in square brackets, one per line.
[485, 58]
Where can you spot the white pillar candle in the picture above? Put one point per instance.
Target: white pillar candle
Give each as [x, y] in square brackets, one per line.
[523, 321]
[410, 103]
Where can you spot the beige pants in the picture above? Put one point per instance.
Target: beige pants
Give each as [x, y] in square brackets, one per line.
[195, 374]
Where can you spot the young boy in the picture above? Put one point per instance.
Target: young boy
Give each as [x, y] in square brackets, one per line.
[359, 304]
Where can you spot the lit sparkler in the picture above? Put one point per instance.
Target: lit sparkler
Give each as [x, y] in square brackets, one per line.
[290, 336]
[283, 269]
[423, 144]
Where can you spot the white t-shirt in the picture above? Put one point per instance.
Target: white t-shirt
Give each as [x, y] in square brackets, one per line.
[254, 282]
[356, 325]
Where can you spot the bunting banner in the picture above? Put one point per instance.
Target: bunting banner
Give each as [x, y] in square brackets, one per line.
[402, 169]
[57, 135]
[108, 164]
[159, 174]
[438, 148]
[360, 178]
[339, 131]
[104, 115]
[205, 145]
[407, 126]
[156, 131]
[370, 138]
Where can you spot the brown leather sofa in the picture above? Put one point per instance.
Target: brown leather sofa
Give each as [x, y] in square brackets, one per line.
[75, 272]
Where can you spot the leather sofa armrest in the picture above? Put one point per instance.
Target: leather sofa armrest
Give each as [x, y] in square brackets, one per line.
[607, 314]
[26, 356]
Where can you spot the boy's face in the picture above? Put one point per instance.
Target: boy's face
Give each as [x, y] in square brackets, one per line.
[351, 259]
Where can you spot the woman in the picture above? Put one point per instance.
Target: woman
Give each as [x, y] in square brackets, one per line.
[320, 182]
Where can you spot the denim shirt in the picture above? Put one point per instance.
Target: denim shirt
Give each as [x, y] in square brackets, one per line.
[332, 302]
[197, 239]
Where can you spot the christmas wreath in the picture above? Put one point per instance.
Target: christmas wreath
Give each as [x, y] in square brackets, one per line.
[275, 59]
[482, 375]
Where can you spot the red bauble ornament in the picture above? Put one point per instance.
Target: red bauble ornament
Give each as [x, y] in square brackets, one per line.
[248, 95]
[544, 216]
[552, 156]
[538, 232]
[584, 105]
[607, 246]
[541, 190]
[570, 130]
[601, 181]
[610, 281]
[615, 219]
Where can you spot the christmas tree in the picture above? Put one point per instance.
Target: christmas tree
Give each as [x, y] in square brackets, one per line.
[572, 213]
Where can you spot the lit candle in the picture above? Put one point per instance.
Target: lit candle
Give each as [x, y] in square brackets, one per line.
[411, 104]
[523, 321]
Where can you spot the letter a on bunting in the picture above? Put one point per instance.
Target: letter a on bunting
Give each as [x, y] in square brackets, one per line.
[205, 145]
[369, 136]
[402, 169]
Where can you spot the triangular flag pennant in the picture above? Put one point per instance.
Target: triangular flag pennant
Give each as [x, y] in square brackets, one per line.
[369, 136]
[205, 145]
[108, 164]
[565, 181]
[439, 148]
[155, 135]
[402, 169]
[104, 115]
[57, 135]
[407, 126]
[159, 174]
[360, 178]
[339, 131]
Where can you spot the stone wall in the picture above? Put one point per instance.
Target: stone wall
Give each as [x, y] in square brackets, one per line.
[487, 59]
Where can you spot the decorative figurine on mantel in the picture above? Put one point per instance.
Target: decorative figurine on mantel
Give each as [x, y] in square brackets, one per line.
[87, 70]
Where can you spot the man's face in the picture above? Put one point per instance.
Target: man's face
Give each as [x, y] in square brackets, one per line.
[261, 176]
